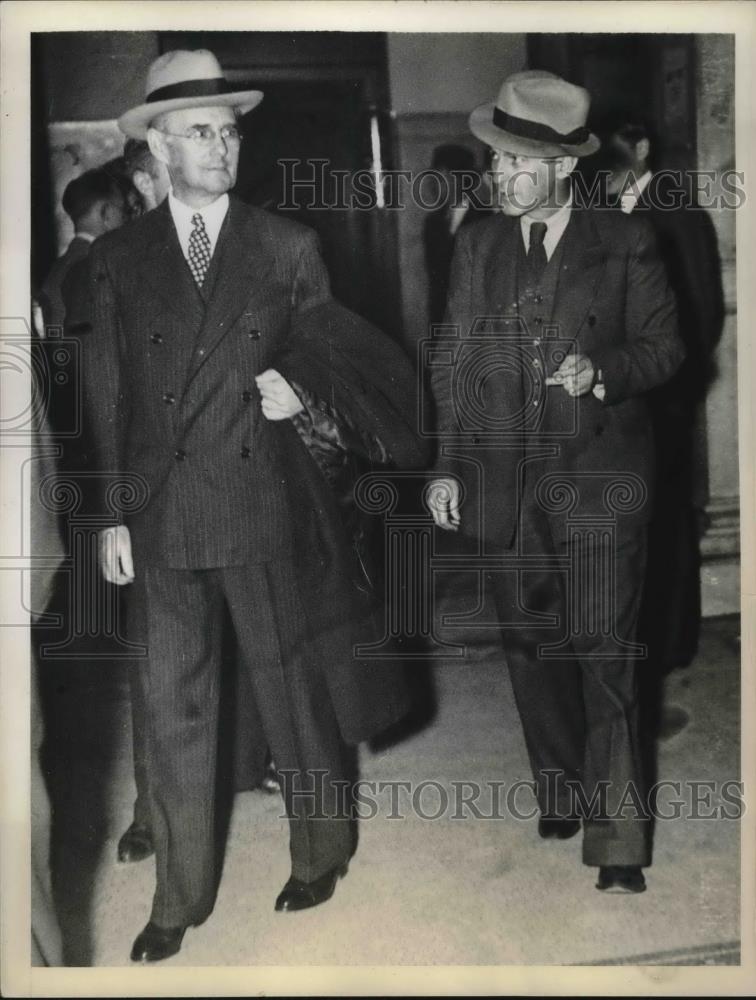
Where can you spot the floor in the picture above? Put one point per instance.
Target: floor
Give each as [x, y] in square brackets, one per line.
[426, 887]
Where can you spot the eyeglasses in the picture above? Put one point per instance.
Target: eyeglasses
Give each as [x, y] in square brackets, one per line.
[516, 159]
[204, 135]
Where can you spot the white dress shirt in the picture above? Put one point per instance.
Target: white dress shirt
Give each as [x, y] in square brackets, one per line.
[629, 198]
[212, 215]
[555, 226]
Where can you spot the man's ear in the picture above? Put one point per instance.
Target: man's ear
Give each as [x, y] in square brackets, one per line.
[565, 166]
[158, 146]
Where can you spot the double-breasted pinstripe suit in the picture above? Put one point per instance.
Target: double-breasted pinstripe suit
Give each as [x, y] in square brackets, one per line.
[235, 512]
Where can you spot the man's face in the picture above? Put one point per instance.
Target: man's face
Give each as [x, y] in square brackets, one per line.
[200, 169]
[524, 184]
[625, 162]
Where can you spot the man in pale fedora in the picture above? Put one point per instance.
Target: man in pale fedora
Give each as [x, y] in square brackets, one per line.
[545, 427]
[195, 308]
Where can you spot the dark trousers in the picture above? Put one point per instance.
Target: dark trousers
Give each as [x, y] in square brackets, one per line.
[179, 614]
[242, 734]
[579, 703]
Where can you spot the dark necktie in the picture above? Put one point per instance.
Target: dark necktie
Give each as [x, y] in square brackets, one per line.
[537, 251]
[199, 249]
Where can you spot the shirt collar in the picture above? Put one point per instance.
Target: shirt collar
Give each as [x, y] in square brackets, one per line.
[555, 226]
[629, 198]
[212, 215]
[84, 236]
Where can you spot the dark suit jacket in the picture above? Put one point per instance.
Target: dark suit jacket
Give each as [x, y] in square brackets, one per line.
[172, 400]
[51, 294]
[614, 304]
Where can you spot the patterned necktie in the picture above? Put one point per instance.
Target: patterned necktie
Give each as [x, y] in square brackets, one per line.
[537, 251]
[199, 249]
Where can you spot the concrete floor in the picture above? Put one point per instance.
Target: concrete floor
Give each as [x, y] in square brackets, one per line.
[419, 891]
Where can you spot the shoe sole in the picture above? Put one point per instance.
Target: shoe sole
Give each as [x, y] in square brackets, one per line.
[619, 890]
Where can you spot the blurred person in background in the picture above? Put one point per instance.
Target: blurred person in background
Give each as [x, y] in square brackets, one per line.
[671, 611]
[456, 166]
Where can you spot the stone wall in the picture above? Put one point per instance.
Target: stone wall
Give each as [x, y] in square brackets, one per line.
[715, 95]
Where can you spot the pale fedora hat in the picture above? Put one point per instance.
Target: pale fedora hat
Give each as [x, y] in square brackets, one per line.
[536, 114]
[183, 79]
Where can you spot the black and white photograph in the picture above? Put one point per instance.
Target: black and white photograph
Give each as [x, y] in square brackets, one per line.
[377, 498]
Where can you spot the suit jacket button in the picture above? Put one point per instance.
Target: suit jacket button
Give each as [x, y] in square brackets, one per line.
[253, 334]
[247, 396]
[169, 398]
[599, 430]
[157, 338]
[245, 452]
[180, 455]
[538, 320]
[591, 320]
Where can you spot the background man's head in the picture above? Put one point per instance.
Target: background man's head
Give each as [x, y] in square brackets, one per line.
[457, 165]
[200, 150]
[629, 150]
[148, 175]
[96, 202]
[451, 158]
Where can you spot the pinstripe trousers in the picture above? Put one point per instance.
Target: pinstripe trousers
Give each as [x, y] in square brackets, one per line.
[179, 616]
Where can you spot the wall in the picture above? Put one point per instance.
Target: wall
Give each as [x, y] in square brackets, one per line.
[450, 73]
[81, 82]
[435, 81]
[715, 92]
[93, 75]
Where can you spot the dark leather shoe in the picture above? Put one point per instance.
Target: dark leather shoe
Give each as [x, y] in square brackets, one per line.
[297, 895]
[136, 844]
[621, 878]
[557, 827]
[156, 943]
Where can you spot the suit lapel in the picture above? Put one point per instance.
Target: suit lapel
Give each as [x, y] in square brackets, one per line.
[500, 277]
[166, 270]
[583, 262]
[239, 269]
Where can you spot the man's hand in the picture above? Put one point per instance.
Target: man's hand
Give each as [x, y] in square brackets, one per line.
[115, 555]
[279, 401]
[442, 497]
[575, 374]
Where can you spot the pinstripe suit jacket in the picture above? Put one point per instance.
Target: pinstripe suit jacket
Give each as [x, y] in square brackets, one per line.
[170, 375]
[171, 397]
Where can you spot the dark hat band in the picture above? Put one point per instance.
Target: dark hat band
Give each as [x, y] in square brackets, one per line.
[525, 129]
[190, 88]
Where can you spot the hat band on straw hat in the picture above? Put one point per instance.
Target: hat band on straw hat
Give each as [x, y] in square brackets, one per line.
[190, 88]
[536, 130]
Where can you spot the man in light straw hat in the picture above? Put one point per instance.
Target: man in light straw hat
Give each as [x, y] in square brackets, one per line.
[565, 322]
[195, 307]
